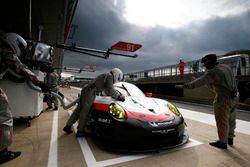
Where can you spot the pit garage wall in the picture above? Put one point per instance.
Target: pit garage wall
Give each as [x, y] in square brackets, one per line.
[164, 87]
[202, 94]
[46, 22]
[167, 90]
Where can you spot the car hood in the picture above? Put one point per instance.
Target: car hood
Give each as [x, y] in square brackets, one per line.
[143, 108]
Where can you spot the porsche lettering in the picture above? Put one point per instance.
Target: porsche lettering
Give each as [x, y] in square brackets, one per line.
[164, 131]
[157, 124]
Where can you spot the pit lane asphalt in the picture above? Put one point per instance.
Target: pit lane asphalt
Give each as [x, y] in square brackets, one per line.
[45, 144]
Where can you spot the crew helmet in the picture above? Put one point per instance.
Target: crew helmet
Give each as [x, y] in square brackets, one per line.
[14, 42]
[117, 74]
[209, 59]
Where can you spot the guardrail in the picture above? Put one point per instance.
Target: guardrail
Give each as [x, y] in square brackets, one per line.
[192, 67]
[170, 70]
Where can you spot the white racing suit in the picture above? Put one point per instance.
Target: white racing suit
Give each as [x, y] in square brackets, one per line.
[103, 82]
[221, 80]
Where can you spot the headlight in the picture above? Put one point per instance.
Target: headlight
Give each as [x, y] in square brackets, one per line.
[174, 109]
[116, 111]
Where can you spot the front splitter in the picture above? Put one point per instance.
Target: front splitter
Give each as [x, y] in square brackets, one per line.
[123, 148]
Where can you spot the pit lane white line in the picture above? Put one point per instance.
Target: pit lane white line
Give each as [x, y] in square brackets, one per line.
[241, 126]
[52, 160]
[91, 161]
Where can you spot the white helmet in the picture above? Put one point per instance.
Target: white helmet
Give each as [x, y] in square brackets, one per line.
[117, 74]
[16, 43]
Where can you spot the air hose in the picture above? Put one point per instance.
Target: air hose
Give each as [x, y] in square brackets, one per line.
[56, 95]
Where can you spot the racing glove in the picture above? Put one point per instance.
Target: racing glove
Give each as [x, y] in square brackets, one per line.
[121, 98]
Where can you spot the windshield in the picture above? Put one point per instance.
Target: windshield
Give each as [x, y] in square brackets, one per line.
[128, 89]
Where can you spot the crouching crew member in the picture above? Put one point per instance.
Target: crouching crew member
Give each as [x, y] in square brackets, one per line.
[103, 82]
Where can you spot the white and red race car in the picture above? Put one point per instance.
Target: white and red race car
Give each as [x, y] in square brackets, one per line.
[139, 124]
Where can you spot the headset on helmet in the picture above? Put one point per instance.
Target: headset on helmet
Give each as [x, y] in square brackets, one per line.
[14, 42]
[117, 74]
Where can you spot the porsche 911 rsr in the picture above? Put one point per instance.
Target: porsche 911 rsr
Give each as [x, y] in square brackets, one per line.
[138, 124]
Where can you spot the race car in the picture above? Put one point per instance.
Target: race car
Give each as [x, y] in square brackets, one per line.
[139, 124]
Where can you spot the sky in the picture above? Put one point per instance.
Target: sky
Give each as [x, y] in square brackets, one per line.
[168, 30]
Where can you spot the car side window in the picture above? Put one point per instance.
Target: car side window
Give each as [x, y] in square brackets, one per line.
[122, 91]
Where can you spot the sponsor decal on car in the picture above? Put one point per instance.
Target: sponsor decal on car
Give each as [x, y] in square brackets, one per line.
[157, 124]
[104, 120]
[164, 131]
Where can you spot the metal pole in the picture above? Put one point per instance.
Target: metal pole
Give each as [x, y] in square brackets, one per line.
[40, 29]
[30, 32]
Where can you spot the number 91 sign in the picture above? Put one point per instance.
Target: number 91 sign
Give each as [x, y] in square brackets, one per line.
[126, 46]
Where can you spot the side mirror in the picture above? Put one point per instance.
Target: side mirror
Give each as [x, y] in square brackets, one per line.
[149, 94]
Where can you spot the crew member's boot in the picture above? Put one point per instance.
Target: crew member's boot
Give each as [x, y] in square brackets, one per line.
[230, 141]
[55, 108]
[219, 144]
[6, 155]
[68, 129]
